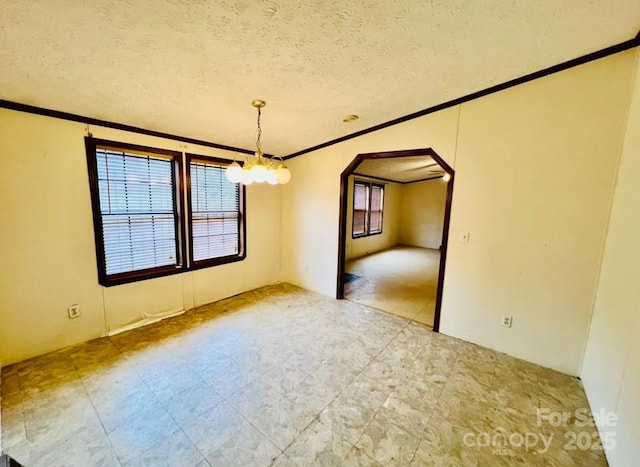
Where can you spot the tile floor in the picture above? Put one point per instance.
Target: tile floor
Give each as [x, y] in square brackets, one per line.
[285, 377]
[402, 280]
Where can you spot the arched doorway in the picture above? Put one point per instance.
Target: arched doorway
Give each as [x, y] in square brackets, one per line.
[344, 198]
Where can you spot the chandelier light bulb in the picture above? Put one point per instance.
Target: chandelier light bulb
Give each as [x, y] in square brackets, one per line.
[446, 177]
[262, 169]
[259, 173]
[234, 172]
[247, 176]
[271, 177]
[283, 175]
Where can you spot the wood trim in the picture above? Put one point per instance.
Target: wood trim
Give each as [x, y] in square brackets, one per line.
[132, 148]
[8, 461]
[143, 275]
[398, 181]
[368, 224]
[342, 218]
[384, 199]
[614, 49]
[377, 178]
[180, 206]
[92, 167]
[242, 219]
[342, 226]
[367, 185]
[394, 154]
[443, 252]
[117, 126]
[425, 179]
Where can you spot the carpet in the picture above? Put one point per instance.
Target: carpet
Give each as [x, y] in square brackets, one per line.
[348, 277]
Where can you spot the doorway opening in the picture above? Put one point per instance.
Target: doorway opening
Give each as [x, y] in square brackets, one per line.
[363, 186]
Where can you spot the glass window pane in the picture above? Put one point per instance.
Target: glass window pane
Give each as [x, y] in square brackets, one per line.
[137, 202]
[215, 205]
[368, 202]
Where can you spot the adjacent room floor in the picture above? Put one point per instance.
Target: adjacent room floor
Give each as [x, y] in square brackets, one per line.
[282, 376]
[402, 280]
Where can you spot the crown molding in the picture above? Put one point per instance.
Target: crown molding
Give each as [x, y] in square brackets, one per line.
[614, 49]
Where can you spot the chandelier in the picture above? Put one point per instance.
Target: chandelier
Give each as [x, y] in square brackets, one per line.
[261, 169]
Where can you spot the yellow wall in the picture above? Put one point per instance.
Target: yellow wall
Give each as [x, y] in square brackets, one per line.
[535, 171]
[47, 251]
[422, 213]
[356, 247]
[311, 236]
[611, 369]
[413, 215]
[535, 166]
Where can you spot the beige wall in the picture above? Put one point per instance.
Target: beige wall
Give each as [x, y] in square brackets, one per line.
[422, 213]
[535, 169]
[534, 175]
[413, 215]
[611, 369]
[535, 166]
[310, 237]
[356, 247]
[47, 249]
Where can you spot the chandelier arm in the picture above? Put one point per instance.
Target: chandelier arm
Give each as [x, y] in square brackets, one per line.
[264, 169]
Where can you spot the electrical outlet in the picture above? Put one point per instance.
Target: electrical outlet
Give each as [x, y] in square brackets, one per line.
[74, 311]
[464, 237]
[506, 321]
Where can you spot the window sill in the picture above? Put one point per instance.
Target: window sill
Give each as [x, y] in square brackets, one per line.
[366, 235]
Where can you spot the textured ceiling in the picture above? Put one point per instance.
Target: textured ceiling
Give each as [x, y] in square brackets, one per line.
[192, 67]
[400, 169]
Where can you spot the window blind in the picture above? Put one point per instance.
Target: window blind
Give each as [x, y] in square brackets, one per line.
[137, 209]
[368, 205]
[360, 207]
[375, 223]
[215, 212]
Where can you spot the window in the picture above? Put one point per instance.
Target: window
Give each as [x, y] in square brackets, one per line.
[368, 202]
[216, 213]
[360, 208]
[140, 226]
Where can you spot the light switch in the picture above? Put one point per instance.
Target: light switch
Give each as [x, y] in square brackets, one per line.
[464, 237]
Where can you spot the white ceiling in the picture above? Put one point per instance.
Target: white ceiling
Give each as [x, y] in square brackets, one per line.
[400, 169]
[192, 67]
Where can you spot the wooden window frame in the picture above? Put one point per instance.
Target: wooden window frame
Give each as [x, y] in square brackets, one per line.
[91, 145]
[242, 230]
[182, 214]
[367, 232]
